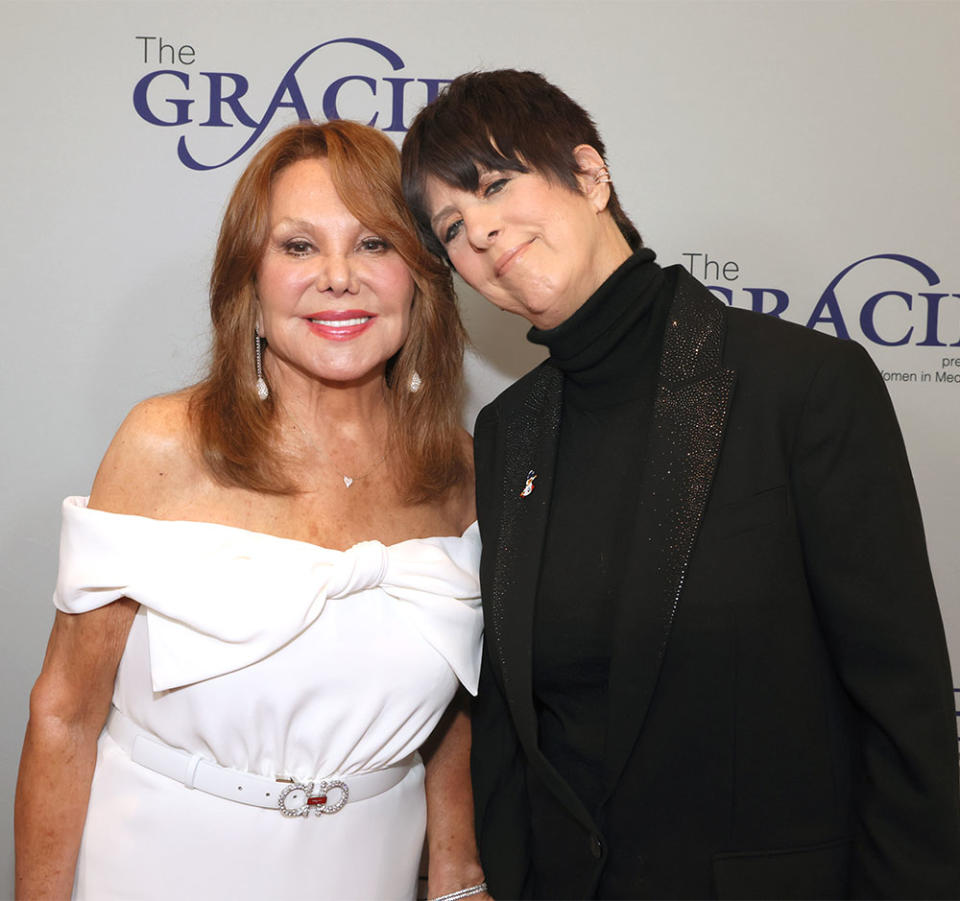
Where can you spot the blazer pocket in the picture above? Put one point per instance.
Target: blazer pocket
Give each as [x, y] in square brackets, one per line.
[768, 508]
[813, 871]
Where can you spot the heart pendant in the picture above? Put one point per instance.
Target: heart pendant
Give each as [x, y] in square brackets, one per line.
[347, 481]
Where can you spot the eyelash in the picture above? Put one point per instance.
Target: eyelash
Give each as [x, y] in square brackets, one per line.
[453, 229]
[377, 245]
[297, 247]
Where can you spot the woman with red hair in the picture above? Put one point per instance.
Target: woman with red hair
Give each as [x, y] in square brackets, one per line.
[270, 598]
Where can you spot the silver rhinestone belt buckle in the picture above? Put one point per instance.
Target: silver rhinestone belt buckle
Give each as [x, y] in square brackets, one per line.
[298, 798]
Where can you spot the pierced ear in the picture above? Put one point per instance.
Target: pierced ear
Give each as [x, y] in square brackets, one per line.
[594, 177]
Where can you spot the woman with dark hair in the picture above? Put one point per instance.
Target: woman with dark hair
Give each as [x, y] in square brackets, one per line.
[714, 663]
[267, 603]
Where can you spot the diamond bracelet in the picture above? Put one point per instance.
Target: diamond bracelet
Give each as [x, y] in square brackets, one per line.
[462, 893]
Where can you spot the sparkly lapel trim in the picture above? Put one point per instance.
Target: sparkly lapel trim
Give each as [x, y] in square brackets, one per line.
[689, 418]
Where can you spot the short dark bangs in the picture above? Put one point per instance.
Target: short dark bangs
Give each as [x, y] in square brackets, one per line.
[505, 120]
[455, 154]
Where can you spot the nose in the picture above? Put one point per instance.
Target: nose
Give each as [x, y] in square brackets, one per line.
[337, 275]
[481, 226]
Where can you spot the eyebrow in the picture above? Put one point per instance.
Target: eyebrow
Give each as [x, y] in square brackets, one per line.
[287, 222]
[435, 219]
[482, 172]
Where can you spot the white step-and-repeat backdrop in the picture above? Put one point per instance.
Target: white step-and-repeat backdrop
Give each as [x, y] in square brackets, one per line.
[801, 158]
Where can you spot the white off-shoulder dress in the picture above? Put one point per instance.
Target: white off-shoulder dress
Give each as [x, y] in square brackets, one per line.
[274, 657]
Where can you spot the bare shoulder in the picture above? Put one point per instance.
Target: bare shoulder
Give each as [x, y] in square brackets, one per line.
[151, 458]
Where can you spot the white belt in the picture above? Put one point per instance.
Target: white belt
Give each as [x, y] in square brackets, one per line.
[292, 798]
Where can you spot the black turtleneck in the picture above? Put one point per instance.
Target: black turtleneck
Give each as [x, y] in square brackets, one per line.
[609, 353]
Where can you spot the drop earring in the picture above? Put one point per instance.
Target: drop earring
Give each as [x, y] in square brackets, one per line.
[263, 392]
[415, 382]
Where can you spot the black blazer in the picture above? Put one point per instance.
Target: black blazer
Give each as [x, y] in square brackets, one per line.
[781, 719]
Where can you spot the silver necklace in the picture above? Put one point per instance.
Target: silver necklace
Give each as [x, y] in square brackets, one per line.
[347, 480]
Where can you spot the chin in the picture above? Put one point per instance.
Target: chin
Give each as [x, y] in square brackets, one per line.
[546, 317]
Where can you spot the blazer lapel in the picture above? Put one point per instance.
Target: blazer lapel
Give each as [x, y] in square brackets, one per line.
[530, 450]
[529, 464]
[690, 411]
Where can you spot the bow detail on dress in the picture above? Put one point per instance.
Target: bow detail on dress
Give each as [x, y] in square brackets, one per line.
[219, 598]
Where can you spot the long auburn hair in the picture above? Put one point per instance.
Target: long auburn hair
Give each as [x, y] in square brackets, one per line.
[235, 430]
